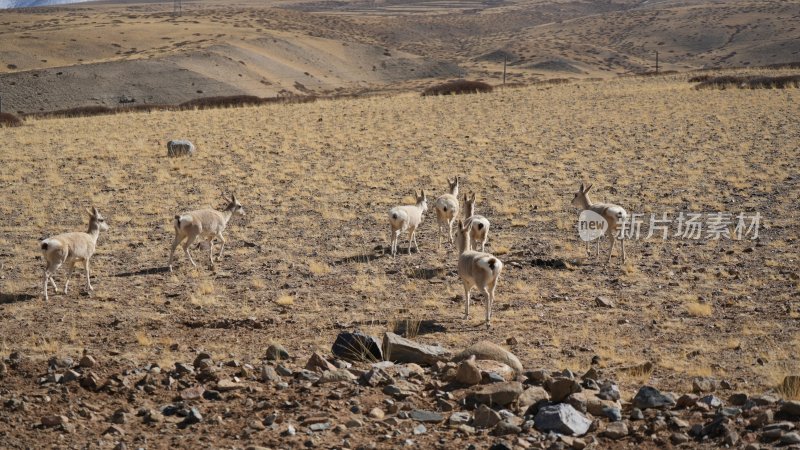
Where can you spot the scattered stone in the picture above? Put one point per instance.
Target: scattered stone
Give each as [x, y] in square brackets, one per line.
[738, 399]
[54, 421]
[616, 430]
[357, 346]
[702, 385]
[486, 417]
[119, 417]
[679, 438]
[184, 369]
[87, 362]
[317, 363]
[375, 377]
[193, 417]
[730, 438]
[604, 302]
[490, 351]
[459, 418]
[319, 426]
[269, 375]
[532, 396]
[505, 428]
[561, 388]
[401, 389]
[790, 438]
[401, 350]
[711, 400]
[562, 418]
[498, 394]
[791, 407]
[60, 362]
[70, 376]
[202, 360]
[114, 430]
[538, 377]
[468, 372]
[686, 401]
[609, 391]
[229, 385]
[495, 371]
[637, 414]
[420, 429]
[192, 393]
[335, 376]
[649, 397]
[284, 371]
[613, 414]
[376, 413]
[354, 423]
[426, 416]
[466, 430]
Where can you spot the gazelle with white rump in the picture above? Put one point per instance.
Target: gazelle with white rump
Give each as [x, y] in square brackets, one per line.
[614, 215]
[204, 223]
[478, 225]
[447, 210]
[71, 248]
[406, 219]
[476, 269]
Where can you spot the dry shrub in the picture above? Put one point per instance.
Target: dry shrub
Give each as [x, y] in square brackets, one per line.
[241, 100]
[749, 82]
[790, 388]
[80, 111]
[458, 87]
[9, 120]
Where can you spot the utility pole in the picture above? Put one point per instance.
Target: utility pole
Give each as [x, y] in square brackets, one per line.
[505, 60]
[656, 61]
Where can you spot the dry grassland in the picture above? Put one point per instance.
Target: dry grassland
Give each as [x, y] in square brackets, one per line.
[318, 179]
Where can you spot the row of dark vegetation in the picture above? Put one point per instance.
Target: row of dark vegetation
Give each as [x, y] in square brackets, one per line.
[746, 81]
[9, 120]
[458, 87]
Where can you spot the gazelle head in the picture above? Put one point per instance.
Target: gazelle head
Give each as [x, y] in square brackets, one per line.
[96, 220]
[422, 200]
[581, 199]
[469, 204]
[453, 186]
[461, 238]
[233, 205]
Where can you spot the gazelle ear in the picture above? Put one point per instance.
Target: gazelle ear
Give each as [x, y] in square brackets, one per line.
[90, 212]
[225, 197]
[581, 188]
[423, 193]
[587, 189]
[233, 197]
[473, 197]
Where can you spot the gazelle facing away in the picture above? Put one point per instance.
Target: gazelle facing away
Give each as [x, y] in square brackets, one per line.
[407, 219]
[447, 210]
[71, 248]
[476, 269]
[478, 225]
[614, 215]
[204, 223]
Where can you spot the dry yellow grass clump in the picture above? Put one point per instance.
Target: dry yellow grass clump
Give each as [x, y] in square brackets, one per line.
[317, 180]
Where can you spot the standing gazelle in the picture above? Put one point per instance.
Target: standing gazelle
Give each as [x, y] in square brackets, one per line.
[478, 225]
[476, 269]
[614, 215]
[71, 248]
[204, 223]
[447, 210]
[407, 218]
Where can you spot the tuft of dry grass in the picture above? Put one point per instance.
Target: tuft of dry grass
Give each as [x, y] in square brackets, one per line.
[789, 389]
[285, 300]
[699, 309]
[318, 268]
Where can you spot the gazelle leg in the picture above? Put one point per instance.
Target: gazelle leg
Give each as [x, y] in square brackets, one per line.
[466, 301]
[86, 266]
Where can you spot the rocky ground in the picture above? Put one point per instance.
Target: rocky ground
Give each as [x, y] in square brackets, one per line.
[410, 395]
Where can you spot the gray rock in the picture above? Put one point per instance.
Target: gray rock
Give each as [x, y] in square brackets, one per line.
[790, 438]
[468, 372]
[616, 430]
[426, 416]
[401, 350]
[649, 397]
[612, 413]
[54, 421]
[738, 399]
[87, 362]
[679, 438]
[318, 363]
[193, 417]
[322, 426]
[70, 376]
[276, 352]
[466, 430]
[505, 428]
[637, 414]
[561, 388]
[401, 389]
[702, 385]
[532, 396]
[609, 391]
[562, 418]
[764, 400]
[192, 393]
[284, 371]
[712, 401]
[604, 302]
[498, 394]
[459, 418]
[269, 375]
[357, 346]
[486, 417]
[377, 413]
[376, 377]
[762, 419]
[336, 376]
[420, 429]
[539, 376]
[687, 401]
[791, 407]
[493, 352]
[354, 423]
